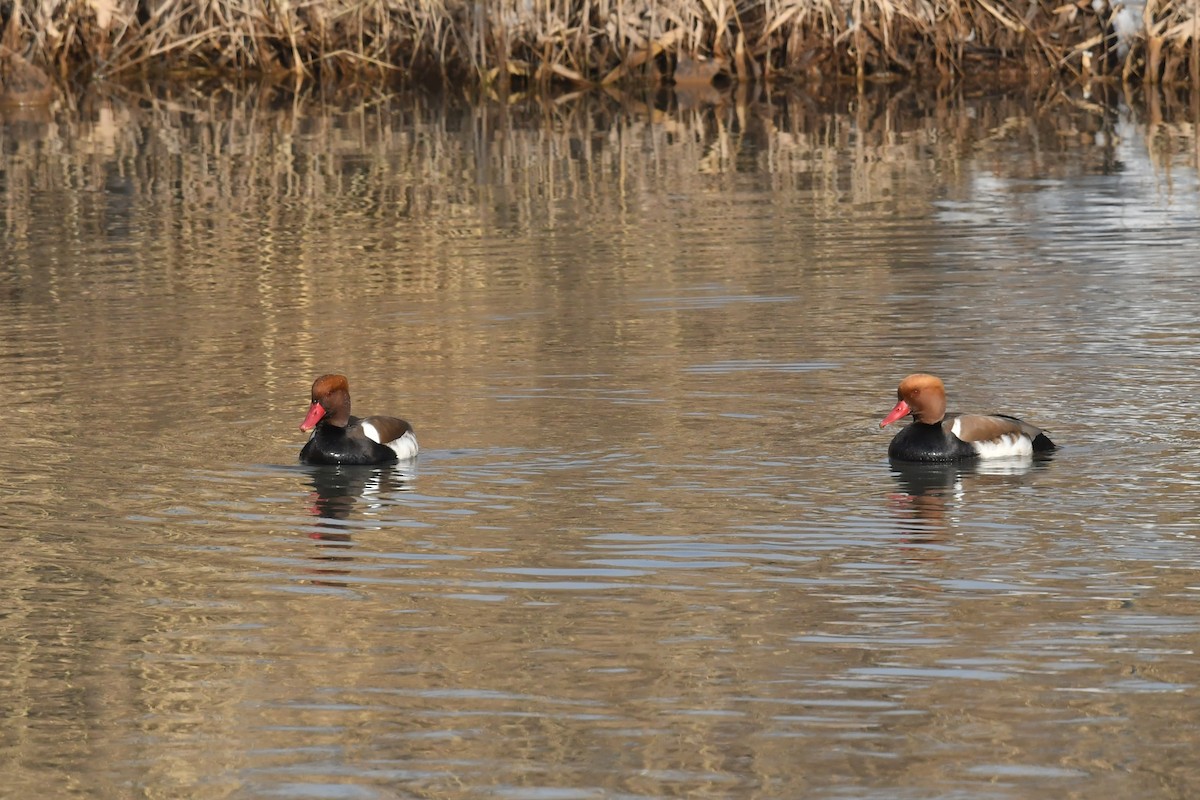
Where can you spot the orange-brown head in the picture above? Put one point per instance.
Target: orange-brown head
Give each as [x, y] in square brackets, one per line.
[330, 401]
[921, 395]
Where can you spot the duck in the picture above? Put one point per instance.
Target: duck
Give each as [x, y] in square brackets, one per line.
[935, 435]
[338, 438]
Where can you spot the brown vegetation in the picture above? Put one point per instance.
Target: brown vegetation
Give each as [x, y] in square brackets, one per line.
[504, 43]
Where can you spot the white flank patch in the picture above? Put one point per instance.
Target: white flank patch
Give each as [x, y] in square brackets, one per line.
[405, 446]
[373, 434]
[956, 429]
[1010, 444]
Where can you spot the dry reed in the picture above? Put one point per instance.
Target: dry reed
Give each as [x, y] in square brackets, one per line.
[519, 43]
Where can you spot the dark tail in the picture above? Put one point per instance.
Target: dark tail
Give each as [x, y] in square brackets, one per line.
[1042, 444]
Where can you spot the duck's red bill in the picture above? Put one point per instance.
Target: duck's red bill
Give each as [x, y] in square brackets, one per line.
[315, 412]
[901, 410]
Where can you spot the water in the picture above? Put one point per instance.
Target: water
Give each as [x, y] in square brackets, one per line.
[652, 546]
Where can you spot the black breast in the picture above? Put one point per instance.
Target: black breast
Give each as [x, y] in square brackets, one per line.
[332, 445]
[923, 442]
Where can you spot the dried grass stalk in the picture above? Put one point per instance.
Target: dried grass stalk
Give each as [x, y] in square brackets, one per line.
[506, 43]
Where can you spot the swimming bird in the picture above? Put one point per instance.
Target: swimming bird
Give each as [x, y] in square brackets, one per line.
[935, 435]
[338, 438]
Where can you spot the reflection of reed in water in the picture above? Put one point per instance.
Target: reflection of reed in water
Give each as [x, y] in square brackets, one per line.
[263, 256]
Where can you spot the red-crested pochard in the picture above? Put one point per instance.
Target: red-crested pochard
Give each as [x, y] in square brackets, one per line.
[338, 438]
[935, 435]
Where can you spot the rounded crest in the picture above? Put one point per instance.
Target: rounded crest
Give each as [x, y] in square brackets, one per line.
[925, 395]
[328, 384]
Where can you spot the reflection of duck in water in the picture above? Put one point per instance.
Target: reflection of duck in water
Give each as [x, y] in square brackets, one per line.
[926, 488]
[942, 478]
[338, 438]
[929, 489]
[935, 435]
[337, 492]
[338, 489]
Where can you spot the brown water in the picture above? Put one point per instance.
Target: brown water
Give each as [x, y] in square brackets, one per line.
[652, 546]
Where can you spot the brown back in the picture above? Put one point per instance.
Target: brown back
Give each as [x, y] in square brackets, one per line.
[980, 428]
[390, 428]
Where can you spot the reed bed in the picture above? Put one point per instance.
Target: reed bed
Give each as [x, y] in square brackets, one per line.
[515, 44]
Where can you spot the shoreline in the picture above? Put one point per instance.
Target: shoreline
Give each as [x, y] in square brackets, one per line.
[508, 46]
